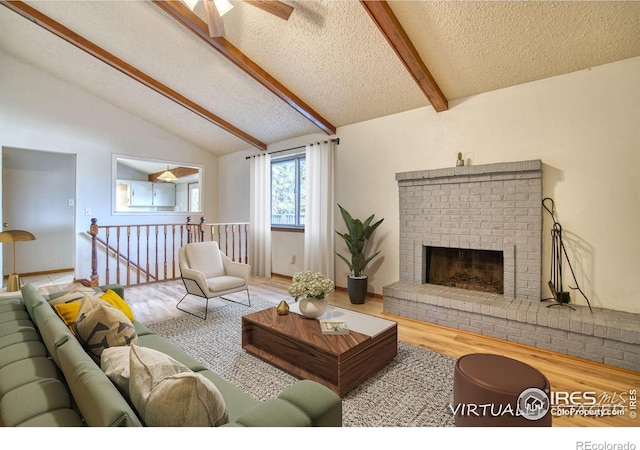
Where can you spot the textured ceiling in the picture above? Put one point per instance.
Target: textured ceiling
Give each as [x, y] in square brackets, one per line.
[329, 53]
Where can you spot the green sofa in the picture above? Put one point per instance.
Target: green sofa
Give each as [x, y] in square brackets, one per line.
[47, 378]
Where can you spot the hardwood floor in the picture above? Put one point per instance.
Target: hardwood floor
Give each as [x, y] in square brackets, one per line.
[156, 302]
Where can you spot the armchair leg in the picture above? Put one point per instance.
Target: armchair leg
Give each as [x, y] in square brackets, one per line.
[206, 308]
[248, 300]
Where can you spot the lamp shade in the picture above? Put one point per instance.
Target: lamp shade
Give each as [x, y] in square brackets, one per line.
[167, 176]
[16, 236]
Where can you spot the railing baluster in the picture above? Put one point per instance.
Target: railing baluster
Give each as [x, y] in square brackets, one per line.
[246, 244]
[147, 252]
[233, 242]
[138, 254]
[188, 229]
[240, 243]
[226, 239]
[106, 275]
[118, 255]
[128, 255]
[93, 231]
[164, 251]
[156, 259]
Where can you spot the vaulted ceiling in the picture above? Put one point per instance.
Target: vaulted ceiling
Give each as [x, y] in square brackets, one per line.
[332, 63]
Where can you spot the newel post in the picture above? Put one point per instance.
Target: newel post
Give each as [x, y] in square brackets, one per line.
[93, 231]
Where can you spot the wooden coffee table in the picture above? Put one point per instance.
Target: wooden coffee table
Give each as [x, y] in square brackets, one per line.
[296, 345]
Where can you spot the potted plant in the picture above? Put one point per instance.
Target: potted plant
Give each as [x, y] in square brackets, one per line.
[356, 238]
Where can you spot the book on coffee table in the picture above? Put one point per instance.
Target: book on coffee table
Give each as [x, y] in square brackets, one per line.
[331, 327]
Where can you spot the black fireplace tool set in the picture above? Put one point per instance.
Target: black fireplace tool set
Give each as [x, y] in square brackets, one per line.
[558, 250]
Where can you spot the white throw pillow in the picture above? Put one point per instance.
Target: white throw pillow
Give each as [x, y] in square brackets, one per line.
[168, 394]
[114, 362]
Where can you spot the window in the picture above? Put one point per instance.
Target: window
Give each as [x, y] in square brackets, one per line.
[288, 177]
[194, 196]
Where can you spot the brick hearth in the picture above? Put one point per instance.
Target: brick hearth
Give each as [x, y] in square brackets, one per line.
[605, 336]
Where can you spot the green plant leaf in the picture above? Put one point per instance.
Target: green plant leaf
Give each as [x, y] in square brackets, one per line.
[356, 238]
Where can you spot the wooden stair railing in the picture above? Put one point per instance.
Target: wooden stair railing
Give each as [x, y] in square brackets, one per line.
[147, 253]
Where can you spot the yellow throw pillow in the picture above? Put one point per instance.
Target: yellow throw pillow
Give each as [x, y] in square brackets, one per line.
[114, 299]
[68, 312]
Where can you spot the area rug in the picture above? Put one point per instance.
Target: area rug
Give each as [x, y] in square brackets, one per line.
[413, 390]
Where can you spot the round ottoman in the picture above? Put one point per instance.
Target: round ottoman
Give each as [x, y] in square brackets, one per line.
[496, 391]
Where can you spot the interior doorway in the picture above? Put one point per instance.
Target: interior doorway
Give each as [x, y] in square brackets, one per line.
[38, 195]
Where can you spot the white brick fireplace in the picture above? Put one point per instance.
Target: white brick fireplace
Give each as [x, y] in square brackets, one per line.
[489, 207]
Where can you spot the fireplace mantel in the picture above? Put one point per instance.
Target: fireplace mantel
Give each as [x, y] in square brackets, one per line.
[483, 172]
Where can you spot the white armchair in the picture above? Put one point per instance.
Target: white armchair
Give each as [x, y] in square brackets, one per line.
[207, 272]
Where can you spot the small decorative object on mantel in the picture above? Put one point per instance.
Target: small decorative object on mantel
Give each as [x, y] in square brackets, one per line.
[460, 161]
[329, 327]
[283, 308]
[311, 288]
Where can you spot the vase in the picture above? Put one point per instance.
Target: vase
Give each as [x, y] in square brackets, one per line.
[312, 308]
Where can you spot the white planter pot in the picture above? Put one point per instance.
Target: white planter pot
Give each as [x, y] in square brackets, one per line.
[312, 308]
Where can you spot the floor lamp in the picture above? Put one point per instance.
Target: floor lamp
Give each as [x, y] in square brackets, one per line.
[13, 236]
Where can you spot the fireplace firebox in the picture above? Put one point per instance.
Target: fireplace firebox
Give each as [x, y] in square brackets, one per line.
[476, 270]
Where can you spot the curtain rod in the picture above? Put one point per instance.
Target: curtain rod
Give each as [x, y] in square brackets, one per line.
[336, 140]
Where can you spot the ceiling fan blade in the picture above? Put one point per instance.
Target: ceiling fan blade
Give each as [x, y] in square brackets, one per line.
[214, 20]
[276, 8]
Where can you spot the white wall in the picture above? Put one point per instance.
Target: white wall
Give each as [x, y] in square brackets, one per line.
[584, 128]
[40, 112]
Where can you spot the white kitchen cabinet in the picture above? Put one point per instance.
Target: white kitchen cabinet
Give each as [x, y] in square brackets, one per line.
[140, 193]
[164, 194]
[145, 193]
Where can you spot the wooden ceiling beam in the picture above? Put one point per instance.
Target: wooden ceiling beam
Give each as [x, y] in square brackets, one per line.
[84, 44]
[278, 9]
[381, 13]
[183, 15]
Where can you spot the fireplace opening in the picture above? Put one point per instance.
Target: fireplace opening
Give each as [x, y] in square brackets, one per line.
[476, 270]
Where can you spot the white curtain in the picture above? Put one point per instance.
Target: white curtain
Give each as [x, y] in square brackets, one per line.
[318, 227]
[260, 216]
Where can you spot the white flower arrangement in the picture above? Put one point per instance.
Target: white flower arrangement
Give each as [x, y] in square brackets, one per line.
[309, 284]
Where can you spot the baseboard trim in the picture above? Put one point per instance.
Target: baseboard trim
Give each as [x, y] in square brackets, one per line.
[44, 272]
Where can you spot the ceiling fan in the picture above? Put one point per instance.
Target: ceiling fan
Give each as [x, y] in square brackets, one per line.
[215, 9]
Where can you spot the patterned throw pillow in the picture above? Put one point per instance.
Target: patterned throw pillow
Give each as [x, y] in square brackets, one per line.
[99, 325]
[168, 394]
